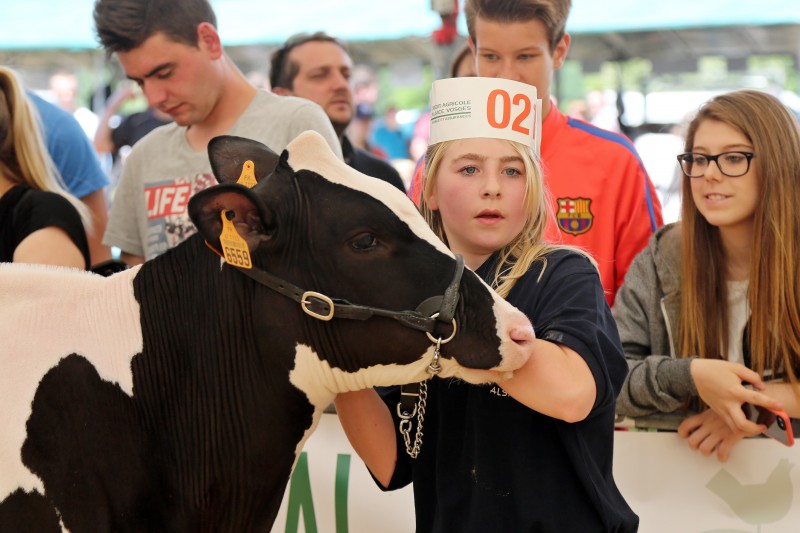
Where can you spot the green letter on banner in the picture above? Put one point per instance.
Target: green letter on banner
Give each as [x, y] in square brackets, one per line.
[342, 482]
[300, 496]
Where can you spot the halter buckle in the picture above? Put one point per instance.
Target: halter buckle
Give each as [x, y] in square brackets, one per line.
[305, 303]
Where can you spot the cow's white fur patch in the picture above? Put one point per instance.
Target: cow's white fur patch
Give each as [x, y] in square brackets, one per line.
[320, 382]
[49, 313]
[310, 151]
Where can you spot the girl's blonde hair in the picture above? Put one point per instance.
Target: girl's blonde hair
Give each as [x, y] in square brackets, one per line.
[528, 246]
[23, 156]
[774, 288]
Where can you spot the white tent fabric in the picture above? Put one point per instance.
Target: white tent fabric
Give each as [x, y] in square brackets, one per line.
[678, 30]
[60, 24]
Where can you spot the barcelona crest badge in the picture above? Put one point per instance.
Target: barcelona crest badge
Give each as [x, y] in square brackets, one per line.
[574, 216]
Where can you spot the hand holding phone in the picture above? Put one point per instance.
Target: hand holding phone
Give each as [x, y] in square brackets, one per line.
[779, 426]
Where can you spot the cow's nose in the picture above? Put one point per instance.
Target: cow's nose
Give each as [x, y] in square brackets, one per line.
[522, 334]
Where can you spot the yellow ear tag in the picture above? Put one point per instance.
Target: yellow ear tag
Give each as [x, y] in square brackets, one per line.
[234, 248]
[248, 175]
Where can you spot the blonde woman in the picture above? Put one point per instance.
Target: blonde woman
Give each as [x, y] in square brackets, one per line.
[713, 303]
[534, 452]
[39, 221]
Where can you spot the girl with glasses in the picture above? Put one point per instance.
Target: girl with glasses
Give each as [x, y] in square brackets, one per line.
[713, 303]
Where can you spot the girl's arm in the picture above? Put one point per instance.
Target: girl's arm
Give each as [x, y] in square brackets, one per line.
[656, 381]
[555, 381]
[369, 427]
[49, 246]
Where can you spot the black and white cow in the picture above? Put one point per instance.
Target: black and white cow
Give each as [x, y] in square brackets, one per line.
[175, 396]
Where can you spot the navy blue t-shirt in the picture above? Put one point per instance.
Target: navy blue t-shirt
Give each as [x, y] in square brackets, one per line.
[489, 463]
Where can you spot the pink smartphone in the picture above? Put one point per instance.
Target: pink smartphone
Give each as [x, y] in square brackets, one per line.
[779, 425]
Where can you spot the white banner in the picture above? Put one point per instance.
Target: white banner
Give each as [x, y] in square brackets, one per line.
[672, 488]
[341, 496]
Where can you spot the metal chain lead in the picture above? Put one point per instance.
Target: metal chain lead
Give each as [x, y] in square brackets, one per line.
[419, 409]
[405, 425]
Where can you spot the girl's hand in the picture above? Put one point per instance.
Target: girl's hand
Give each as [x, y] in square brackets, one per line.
[708, 433]
[719, 384]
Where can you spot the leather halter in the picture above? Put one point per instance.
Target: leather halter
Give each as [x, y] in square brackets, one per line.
[424, 318]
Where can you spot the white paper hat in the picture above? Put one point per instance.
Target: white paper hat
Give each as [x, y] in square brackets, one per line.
[465, 108]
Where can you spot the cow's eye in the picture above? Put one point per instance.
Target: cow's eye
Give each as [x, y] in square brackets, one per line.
[364, 241]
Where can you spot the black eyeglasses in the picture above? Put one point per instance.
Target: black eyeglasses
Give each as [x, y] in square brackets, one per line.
[731, 164]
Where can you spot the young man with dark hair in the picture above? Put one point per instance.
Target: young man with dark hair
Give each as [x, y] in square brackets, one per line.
[173, 51]
[602, 197]
[317, 67]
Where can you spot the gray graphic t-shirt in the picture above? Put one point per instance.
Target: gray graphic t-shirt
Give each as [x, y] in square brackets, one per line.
[149, 211]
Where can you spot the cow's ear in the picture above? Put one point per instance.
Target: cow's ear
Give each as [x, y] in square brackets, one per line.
[238, 204]
[228, 154]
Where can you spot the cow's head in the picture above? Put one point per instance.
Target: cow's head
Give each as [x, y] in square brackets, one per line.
[317, 225]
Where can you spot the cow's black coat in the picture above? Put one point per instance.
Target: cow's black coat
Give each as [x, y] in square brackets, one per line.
[208, 439]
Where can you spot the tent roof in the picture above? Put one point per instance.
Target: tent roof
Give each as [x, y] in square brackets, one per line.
[61, 24]
[610, 29]
[593, 16]
[680, 31]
